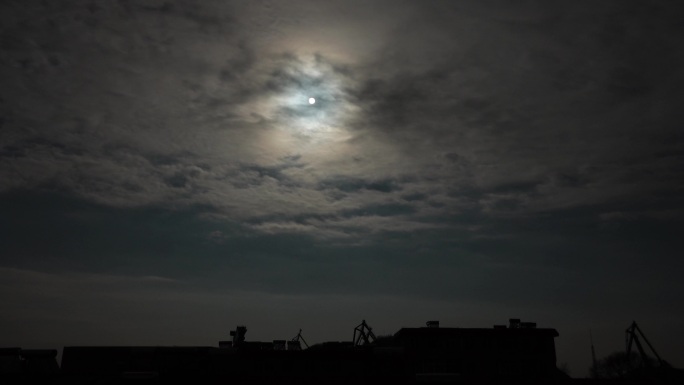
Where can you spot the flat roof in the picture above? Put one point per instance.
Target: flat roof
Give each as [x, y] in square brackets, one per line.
[494, 331]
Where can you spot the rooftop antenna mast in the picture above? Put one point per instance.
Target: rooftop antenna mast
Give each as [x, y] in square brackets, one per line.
[363, 334]
[294, 343]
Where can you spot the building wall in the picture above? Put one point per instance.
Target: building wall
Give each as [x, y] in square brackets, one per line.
[480, 352]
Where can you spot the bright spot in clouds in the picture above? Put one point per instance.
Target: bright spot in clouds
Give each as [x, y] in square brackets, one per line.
[312, 100]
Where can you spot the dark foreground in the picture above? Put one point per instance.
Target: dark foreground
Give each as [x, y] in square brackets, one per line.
[519, 353]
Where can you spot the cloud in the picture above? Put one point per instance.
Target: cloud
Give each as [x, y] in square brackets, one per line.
[349, 184]
[192, 107]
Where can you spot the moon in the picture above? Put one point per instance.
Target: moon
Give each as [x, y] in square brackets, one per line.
[312, 100]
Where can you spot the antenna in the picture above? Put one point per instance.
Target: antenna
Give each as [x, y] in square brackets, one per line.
[363, 334]
[594, 368]
[294, 343]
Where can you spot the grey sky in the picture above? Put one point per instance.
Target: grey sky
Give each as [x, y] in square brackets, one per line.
[467, 161]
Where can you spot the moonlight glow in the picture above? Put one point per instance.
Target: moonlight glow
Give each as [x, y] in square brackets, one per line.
[312, 100]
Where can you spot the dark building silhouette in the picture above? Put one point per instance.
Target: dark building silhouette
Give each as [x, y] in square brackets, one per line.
[517, 352]
[520, 351]
[33, 361]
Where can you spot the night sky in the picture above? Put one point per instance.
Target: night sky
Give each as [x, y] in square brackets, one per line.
[164, 178]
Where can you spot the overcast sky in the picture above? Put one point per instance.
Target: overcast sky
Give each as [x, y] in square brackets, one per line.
[164, 178]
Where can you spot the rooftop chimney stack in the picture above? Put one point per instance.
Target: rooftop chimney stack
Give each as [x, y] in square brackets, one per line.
[238, 335]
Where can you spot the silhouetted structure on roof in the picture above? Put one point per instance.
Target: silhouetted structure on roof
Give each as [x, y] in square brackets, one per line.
[238, 335]
[296, 342]
[519, 351]
[363, 334]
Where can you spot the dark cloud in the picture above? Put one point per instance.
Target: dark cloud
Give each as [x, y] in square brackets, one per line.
[383, 210]
[349, 184]
[414, 197]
